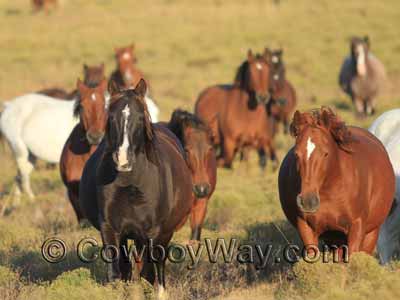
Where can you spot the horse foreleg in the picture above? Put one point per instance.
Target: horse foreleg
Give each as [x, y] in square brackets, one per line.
[369, 242]
[272, 155]
[229, 153]
[25, 168]
[370, 106]
[125, 261]
[197, 218]
[355, 236]
[111, 243]
[308, 236]
[359, 104]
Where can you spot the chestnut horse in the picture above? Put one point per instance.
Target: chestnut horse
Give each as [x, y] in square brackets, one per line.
[92, 75]
[237, 113]
[83, 139]
[43, 4]
[362, 76]
[126, 74]
[136, 185]
[283, 95]
[336, 183]
[196, 139]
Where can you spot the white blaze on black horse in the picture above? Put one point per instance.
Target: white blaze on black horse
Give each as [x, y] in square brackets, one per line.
[148, 196]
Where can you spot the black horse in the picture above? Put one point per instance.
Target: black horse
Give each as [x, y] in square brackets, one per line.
[136, 185]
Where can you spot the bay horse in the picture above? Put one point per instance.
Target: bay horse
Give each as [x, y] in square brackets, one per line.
[196, 139]
[237, 113]
[283, 95]
[43, 4]
[387, 128]
[337, 183]
[126, 74]
[362, 76]
[92, 76]
[84, 138]
[136, 185]
[36, 126]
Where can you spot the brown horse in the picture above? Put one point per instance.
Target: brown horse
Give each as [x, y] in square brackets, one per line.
[126, 74]
[362, 76]
[337, 183]
[283, 95]
[43, 4]
[84, 138]
[237, 113]
[196, 139]
[92, 75]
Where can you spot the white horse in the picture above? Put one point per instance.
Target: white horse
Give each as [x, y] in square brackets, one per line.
[387, 128]
[39, 125]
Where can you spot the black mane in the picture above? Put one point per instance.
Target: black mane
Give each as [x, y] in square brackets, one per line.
[181, 119]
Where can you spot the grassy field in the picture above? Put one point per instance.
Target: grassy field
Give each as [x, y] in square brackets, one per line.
[183, 47]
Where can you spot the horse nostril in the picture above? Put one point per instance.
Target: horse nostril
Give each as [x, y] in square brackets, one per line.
[201, 190]
[309, 203]
[94, 138]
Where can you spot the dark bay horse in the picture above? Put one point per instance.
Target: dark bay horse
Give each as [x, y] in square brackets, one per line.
[196, 139]
[362, 76]
[283, 95]
[92, 76]
[237, 113]
[126, 74]
[136, 185]
[337, 183]
[83, 139]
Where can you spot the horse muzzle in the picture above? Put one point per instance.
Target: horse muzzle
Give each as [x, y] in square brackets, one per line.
[309, 203]
[94, 138]
[263, 98]
[126, 166]
[201, 190]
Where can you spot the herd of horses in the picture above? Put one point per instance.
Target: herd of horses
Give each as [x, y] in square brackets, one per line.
[133, 177]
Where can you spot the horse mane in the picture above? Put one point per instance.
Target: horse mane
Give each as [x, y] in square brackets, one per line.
[77, 107]
[327, 119]
[181, 119]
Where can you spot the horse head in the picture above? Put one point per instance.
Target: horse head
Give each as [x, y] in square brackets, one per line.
[319, 136]
[91, 109]
[196, 138]
[359, 48]
[93, 75]
[253, 76]
[126, 61]
[129, 130]
[277, 71]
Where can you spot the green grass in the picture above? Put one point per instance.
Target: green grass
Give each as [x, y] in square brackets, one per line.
[183, 47]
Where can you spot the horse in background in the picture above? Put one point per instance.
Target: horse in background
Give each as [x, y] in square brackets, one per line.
[92, 76]
[43, 5]
[126, 75]
[283, 95]
[84, 138]
[196, 139]
[136, 185]
[337, 183]
[362, 76]
[237, 113]
[387, 129]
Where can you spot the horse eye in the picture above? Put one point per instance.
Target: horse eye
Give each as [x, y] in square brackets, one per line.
[326, 154]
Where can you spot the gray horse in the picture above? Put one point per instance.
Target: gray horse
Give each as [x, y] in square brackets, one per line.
[362, 76]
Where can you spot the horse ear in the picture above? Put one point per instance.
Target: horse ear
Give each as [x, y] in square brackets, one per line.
[141, 88]
[267, 55]
[295, 125]
[113, 87]
[250, 56]
[366, 40]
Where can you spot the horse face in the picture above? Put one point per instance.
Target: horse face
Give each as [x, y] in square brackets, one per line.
[127, 127]
[359, 50]
[258, 76]
[126, 61]
[93, 75]
[313, 149]
[199, 153]
[92, 110]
